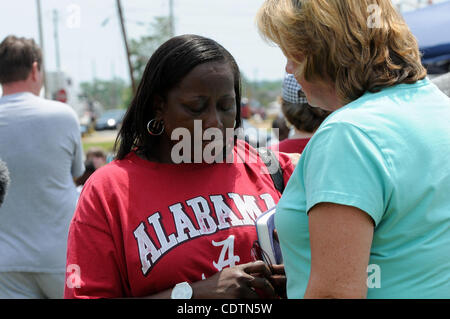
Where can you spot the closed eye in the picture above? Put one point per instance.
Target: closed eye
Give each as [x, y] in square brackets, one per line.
[195, 109]
[226, 108]
[227, 104]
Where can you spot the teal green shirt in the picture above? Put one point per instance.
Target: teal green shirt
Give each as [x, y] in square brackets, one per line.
[388, 154]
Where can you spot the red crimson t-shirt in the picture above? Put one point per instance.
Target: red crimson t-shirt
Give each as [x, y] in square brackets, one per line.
[296, 145]
[142, 227]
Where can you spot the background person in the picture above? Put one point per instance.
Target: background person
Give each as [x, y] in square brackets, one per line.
[95, 158]
[145, 225]
[40, 142]
[97, 155]
[281, 131]
[371, 187]
[304, 118]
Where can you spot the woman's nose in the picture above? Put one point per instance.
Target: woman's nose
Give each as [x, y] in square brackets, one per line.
[213, 119]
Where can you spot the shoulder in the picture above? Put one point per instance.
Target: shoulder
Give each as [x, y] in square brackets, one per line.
[242, 146]
[345, 146]
[107, 187]
[338, 135]
[367, 118]
[287, 162]
[357, 112]
[285, 159]
[100, 196]
[382, 117]
[57, 109]
[345, 149]
[389, 103]
[109, 175]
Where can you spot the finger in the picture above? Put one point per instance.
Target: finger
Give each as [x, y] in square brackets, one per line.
[257, 267]
[246, 290]
[263, 287]
[278, 282]
[278, 269]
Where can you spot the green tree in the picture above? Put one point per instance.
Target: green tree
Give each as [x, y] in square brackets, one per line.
[142, 48]
[109, 93]
[264, 92]
[116, 93]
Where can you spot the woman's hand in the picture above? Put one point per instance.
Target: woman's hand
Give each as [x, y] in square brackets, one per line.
[247, 281]
[278, 280]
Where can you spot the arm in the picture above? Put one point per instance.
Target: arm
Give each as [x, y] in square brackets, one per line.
[247, 281]
[340, 238]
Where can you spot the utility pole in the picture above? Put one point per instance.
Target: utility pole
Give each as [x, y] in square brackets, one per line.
[171, 18]
[124, 34]
[41, 43]
[56, 35]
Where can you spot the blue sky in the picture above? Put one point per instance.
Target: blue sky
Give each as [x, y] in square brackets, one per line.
[88, 49]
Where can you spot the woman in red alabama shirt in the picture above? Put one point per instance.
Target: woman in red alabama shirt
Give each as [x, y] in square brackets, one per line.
[146, 222]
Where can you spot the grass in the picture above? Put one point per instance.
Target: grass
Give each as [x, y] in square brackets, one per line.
[107, 146]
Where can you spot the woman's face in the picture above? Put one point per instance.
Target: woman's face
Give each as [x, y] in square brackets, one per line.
[205, 94]
[318, 94]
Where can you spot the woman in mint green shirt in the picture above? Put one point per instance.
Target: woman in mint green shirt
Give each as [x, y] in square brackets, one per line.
[367, 211]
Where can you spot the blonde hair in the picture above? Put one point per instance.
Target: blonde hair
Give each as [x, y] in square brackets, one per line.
[337, 41]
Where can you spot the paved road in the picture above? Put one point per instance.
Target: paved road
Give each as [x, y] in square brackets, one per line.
[101, 136]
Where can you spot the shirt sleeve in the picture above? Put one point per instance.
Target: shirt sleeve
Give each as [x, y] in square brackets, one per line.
[92, 266]
[344, 166]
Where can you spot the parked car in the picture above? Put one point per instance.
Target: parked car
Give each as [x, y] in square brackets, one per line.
[110, 120]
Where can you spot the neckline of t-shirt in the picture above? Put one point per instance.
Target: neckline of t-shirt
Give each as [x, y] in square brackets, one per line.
[237, 159]
[136, 159]
[417, 84]
[17, 95]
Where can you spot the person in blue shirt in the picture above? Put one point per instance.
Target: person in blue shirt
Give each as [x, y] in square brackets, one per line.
[366, 213]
